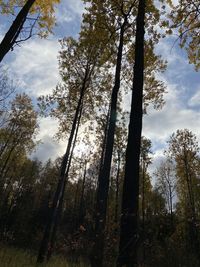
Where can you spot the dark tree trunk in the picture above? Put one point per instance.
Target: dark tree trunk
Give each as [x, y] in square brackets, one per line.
[81, 202]
[171, 206]
[143, 206]
[103, 180]
[15, 29]
[117, 188]
[75, 209]
[2, 174]
[104, 145]
[61, 183]
[60, 207]
[129, 213]
[4, 147]
[192, 221]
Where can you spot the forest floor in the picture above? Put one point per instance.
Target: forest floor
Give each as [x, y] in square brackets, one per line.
[12, 257]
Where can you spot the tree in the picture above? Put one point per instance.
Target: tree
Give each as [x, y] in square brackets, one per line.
[113, 18]
[166, 184]
[129, 213]
[185, 17]
[183, 148]
[7, 89]
[145, 184]
[17, 135]
[104, 175]
[44, 18]
[79, 64]
[16, 142]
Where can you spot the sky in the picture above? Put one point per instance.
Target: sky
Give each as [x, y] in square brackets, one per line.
[34, 66]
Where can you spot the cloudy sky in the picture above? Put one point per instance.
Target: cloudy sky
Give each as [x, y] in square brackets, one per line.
[34, 66]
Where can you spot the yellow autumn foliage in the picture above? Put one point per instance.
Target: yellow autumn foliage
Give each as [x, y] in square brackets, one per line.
[43, 10]
[185, 17]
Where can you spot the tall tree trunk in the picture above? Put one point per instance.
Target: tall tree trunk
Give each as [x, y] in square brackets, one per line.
[129, 213]
[103, 182]
[60, 207]
[15, 29]
[117, 189]
[143, 206]
[81, 202]
[75, 209]
[4, 147]
[192, 221]
[171, 206]
[103, 148]
[105, 135]
[2, 174]
[61, 183]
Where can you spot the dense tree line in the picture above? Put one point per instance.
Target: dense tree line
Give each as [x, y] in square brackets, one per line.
[169, 197]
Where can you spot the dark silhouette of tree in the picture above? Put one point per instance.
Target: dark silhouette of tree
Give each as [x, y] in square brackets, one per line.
[129, 213]
[44, 19]
[103, 181]
[11, 36]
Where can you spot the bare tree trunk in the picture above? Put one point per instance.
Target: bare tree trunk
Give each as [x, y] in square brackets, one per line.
[15, 29]
[11, 131]
[60, 207]
[143, 206]
[103, 181]
[129, 213]
[2, 174]
[194, 239]
[61, 183]
[81, 206]
[171, 206]
[103, 149]
[117, 189]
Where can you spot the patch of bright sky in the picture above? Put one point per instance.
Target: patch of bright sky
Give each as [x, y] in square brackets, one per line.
[35, 65]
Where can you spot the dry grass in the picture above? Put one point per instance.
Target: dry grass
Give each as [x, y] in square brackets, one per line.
[12, 257]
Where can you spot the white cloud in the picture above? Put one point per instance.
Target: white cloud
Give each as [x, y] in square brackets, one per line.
[195, 100]
[36, 65]
[76, 6]
[69, 10]
[159, 125]
[49, 147]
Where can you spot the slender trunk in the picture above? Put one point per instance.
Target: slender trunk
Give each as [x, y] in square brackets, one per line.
[7, 141]
[75, 208]
[129, 213]
[14, 145]
[194, 239]
[81, 206]
[15, 29]
[61, 183]
[102, 156]
[103, 182]
[171, 207]
[2, 174]
[104, 144]
[117, 190]
[60, 207]
[143, 206]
